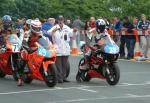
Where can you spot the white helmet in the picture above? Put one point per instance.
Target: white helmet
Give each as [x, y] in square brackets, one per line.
[35, 26]
[100, 25]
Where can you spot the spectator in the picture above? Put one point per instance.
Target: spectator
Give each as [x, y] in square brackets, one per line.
[87, 26]
[116, 37]
[68, 23]
[19, 24]
[143, 26]
[92, 22]
[61, 34]
[47, 26]
[78, 24]
[135, 22]
[117, 29]
[129, 37]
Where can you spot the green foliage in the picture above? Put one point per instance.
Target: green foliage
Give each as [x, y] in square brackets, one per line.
[72, 8]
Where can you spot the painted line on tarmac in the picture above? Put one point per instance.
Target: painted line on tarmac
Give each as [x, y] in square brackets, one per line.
[88, 90]
[42, 90]
[82, 87]
[79, 88]
[136, 73]
[121, 85]
[37, 90]
[128, 96]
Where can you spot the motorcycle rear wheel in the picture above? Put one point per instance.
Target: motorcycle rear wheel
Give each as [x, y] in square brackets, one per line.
[82, 74]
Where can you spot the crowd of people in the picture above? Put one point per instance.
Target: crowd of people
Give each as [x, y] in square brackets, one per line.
[61, 31]
[123, 33]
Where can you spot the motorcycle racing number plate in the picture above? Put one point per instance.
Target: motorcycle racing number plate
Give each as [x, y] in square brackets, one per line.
[43, 52]
[15, 48]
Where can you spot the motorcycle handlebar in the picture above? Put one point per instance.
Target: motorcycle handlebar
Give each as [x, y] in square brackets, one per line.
[29, 50]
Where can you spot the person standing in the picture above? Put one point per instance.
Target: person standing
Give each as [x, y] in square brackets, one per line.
[61, 34]
[92, 23]
[68, 23]
[119, 40]
[78, 24]
[129, 37]
[143, 26]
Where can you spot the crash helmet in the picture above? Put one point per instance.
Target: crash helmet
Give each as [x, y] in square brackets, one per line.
[7, 22]
[35, 26]
[100, 25]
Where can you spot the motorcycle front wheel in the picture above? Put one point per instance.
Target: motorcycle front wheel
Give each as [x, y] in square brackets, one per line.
[50, 78]
[2, 74]
[27, 78]
[112, 74]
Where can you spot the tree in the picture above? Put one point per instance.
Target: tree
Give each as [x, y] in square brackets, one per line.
[73, 8]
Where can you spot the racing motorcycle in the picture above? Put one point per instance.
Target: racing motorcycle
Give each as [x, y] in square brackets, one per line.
[10, 58]
[40, 65]
[102, 63]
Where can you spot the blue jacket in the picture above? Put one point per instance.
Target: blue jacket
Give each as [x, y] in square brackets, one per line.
[45, 27]
[118, 26]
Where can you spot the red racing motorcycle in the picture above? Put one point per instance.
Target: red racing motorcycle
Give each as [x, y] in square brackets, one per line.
[102, 63]
[10, 58]
[40, 65]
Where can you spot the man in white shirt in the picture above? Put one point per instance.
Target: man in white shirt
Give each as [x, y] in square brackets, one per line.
[61, 34]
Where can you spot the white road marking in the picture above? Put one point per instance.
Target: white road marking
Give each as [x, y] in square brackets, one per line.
[102, 98]
[38, 90]
[88, 90]
[130, 84]
[136, 73]
[81, 87]
[132, 95]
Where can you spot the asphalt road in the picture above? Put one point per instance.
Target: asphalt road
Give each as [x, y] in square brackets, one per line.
[134, 87]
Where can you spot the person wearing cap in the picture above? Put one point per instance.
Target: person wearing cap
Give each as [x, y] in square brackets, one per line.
[143, 26]
[61, 34]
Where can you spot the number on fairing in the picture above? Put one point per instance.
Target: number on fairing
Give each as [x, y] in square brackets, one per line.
[15, 48]
[42, 52]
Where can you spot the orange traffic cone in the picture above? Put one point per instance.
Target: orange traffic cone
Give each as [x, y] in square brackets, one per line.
[74, 50]
[137, 50]
[137, 46]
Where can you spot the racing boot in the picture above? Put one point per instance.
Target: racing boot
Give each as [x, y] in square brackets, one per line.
[20, 81]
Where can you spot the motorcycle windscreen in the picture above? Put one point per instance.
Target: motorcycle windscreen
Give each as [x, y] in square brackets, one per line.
[44, 42]
[111, 49]
[13, 43]
[45, 47]
[110, 46]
